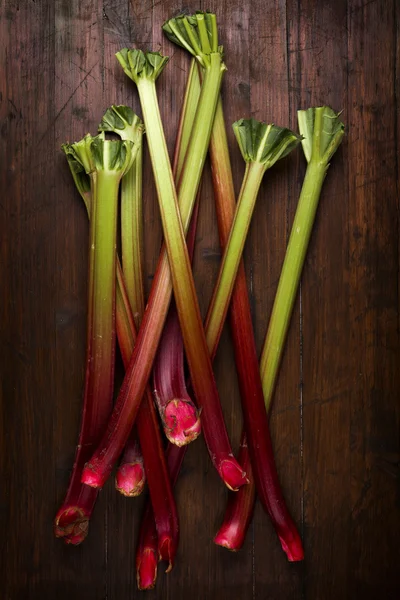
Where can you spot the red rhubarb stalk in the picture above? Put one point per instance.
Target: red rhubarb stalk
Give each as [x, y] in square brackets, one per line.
[130, 477]
[106, 162]
[254, 410]
[162, 499]
[99, 467]
[239, 508]
[146, 552]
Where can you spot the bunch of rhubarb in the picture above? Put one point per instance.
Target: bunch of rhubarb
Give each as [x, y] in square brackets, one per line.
[169, 396]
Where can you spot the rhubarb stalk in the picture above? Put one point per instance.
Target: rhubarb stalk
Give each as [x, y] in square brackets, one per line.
[98, 468]
[261, 146]
[121, 120]
[146, 552]
[106, 162]
[322, 133]
[239, 508]
[169, 375]
[178, 413]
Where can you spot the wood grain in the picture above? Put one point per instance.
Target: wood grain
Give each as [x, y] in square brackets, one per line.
[335, 420]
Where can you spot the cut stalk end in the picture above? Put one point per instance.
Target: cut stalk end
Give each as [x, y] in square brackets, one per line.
[92, 478]
[167, 551]
[181, 422]
[227, 538]
[232, 474]
[130, 479]
[71, 524]
[146, 569]
[294, 551]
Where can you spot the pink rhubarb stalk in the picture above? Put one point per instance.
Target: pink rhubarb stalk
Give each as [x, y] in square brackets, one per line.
[130, 476]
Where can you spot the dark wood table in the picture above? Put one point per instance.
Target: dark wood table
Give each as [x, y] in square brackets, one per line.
[335, 419]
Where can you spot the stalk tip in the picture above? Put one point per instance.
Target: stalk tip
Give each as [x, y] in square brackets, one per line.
[130, 479]
[196, 33]
[322, 132]
[232, 474]
[294, 551]
[71, 524]
[146, 569]
[91, 478]
[166, 551]
[181, 422]
[141, 65]
[262, 142]
[221, 539]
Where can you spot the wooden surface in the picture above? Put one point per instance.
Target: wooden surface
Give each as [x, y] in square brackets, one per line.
[335, 420]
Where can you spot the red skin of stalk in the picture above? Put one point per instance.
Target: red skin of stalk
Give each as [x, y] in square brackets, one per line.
[162, 499]
[239, 508]
[171, 381]
[179, 415]
[130, 477]
[254, 412]
[146, 553]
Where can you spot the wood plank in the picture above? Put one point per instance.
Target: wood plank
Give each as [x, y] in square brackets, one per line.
[77, 84]
[373, 300]
[317, 50]
[265, 251]
[28, 366]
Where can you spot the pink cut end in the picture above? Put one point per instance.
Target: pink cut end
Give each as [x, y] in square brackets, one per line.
[295, 552]
[130, 479]
[91, 478]
[232, 474]
[166, 552]
[72, 524]
[181, 422]
[232, 540]
[146, 570]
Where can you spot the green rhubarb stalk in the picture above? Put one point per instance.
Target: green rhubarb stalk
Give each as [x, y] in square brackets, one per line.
[188, 115]
[123, 121]
[262, 146]
[198, 34]
[106, 162]
[322, 133]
